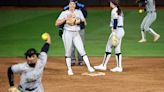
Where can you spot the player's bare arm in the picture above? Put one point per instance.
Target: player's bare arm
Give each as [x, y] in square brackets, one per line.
[60, 21]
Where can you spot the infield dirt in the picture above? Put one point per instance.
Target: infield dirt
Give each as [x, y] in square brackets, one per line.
[140, 74]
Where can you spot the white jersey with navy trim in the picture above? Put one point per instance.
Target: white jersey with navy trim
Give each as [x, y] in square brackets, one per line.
[114, 15]
[119, 31]
[78, 15]
[71, 34]
[31, 77]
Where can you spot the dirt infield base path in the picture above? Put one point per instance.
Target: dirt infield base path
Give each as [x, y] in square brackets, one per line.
[139, 75]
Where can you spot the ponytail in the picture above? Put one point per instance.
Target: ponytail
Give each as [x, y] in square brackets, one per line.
[119, 10]
[116, 3]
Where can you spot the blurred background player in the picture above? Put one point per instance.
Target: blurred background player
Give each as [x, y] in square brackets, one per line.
[72, 18]
[31, 70]
[148, 19]
[117, 28]
[82, 8]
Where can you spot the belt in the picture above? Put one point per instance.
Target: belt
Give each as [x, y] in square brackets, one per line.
[151, 11]
[27, 89]
[120, 26]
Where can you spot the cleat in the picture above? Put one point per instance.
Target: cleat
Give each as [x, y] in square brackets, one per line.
[91, 70]
[70, 72]
[142, 41]
[100, 67]
[156, 37]
[116, 69]
[80, 63]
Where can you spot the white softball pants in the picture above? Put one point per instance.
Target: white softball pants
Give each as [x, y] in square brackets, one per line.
[148, 20]
[71, 38]
[80, 58]
[120, 33]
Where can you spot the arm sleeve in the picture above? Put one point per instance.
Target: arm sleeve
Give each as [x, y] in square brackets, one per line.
[10, 76]
[115, 22]
[45, 47]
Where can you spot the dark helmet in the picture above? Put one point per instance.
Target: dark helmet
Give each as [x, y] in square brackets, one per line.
[31, 52]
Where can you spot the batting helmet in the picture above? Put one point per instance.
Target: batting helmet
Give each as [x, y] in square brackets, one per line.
[31, 52]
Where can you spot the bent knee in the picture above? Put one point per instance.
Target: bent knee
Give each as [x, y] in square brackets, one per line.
[146, 28]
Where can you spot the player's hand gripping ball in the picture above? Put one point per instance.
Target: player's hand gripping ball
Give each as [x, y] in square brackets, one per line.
[141, 11]
[44, 36]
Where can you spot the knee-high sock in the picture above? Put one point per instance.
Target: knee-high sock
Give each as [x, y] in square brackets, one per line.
[68, 62]
[119, 59]
[143, 34]
[152, 32]
[106, 58]
[86, 60]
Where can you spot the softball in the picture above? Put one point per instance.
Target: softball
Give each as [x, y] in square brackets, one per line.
[44, 36]
[141, 11]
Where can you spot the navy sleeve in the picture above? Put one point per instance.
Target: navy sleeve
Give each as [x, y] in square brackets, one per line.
[10, 76]
[45, 47]
[115, 22]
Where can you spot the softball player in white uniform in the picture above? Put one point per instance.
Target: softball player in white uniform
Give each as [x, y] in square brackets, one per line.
[117, 28]
[71, 36]
[148, 20]
[82, 8]
[31, 70]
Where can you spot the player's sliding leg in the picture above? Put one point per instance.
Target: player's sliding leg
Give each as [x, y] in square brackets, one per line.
[103, 66]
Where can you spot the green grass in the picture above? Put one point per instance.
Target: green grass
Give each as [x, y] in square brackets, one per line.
[22, 29]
